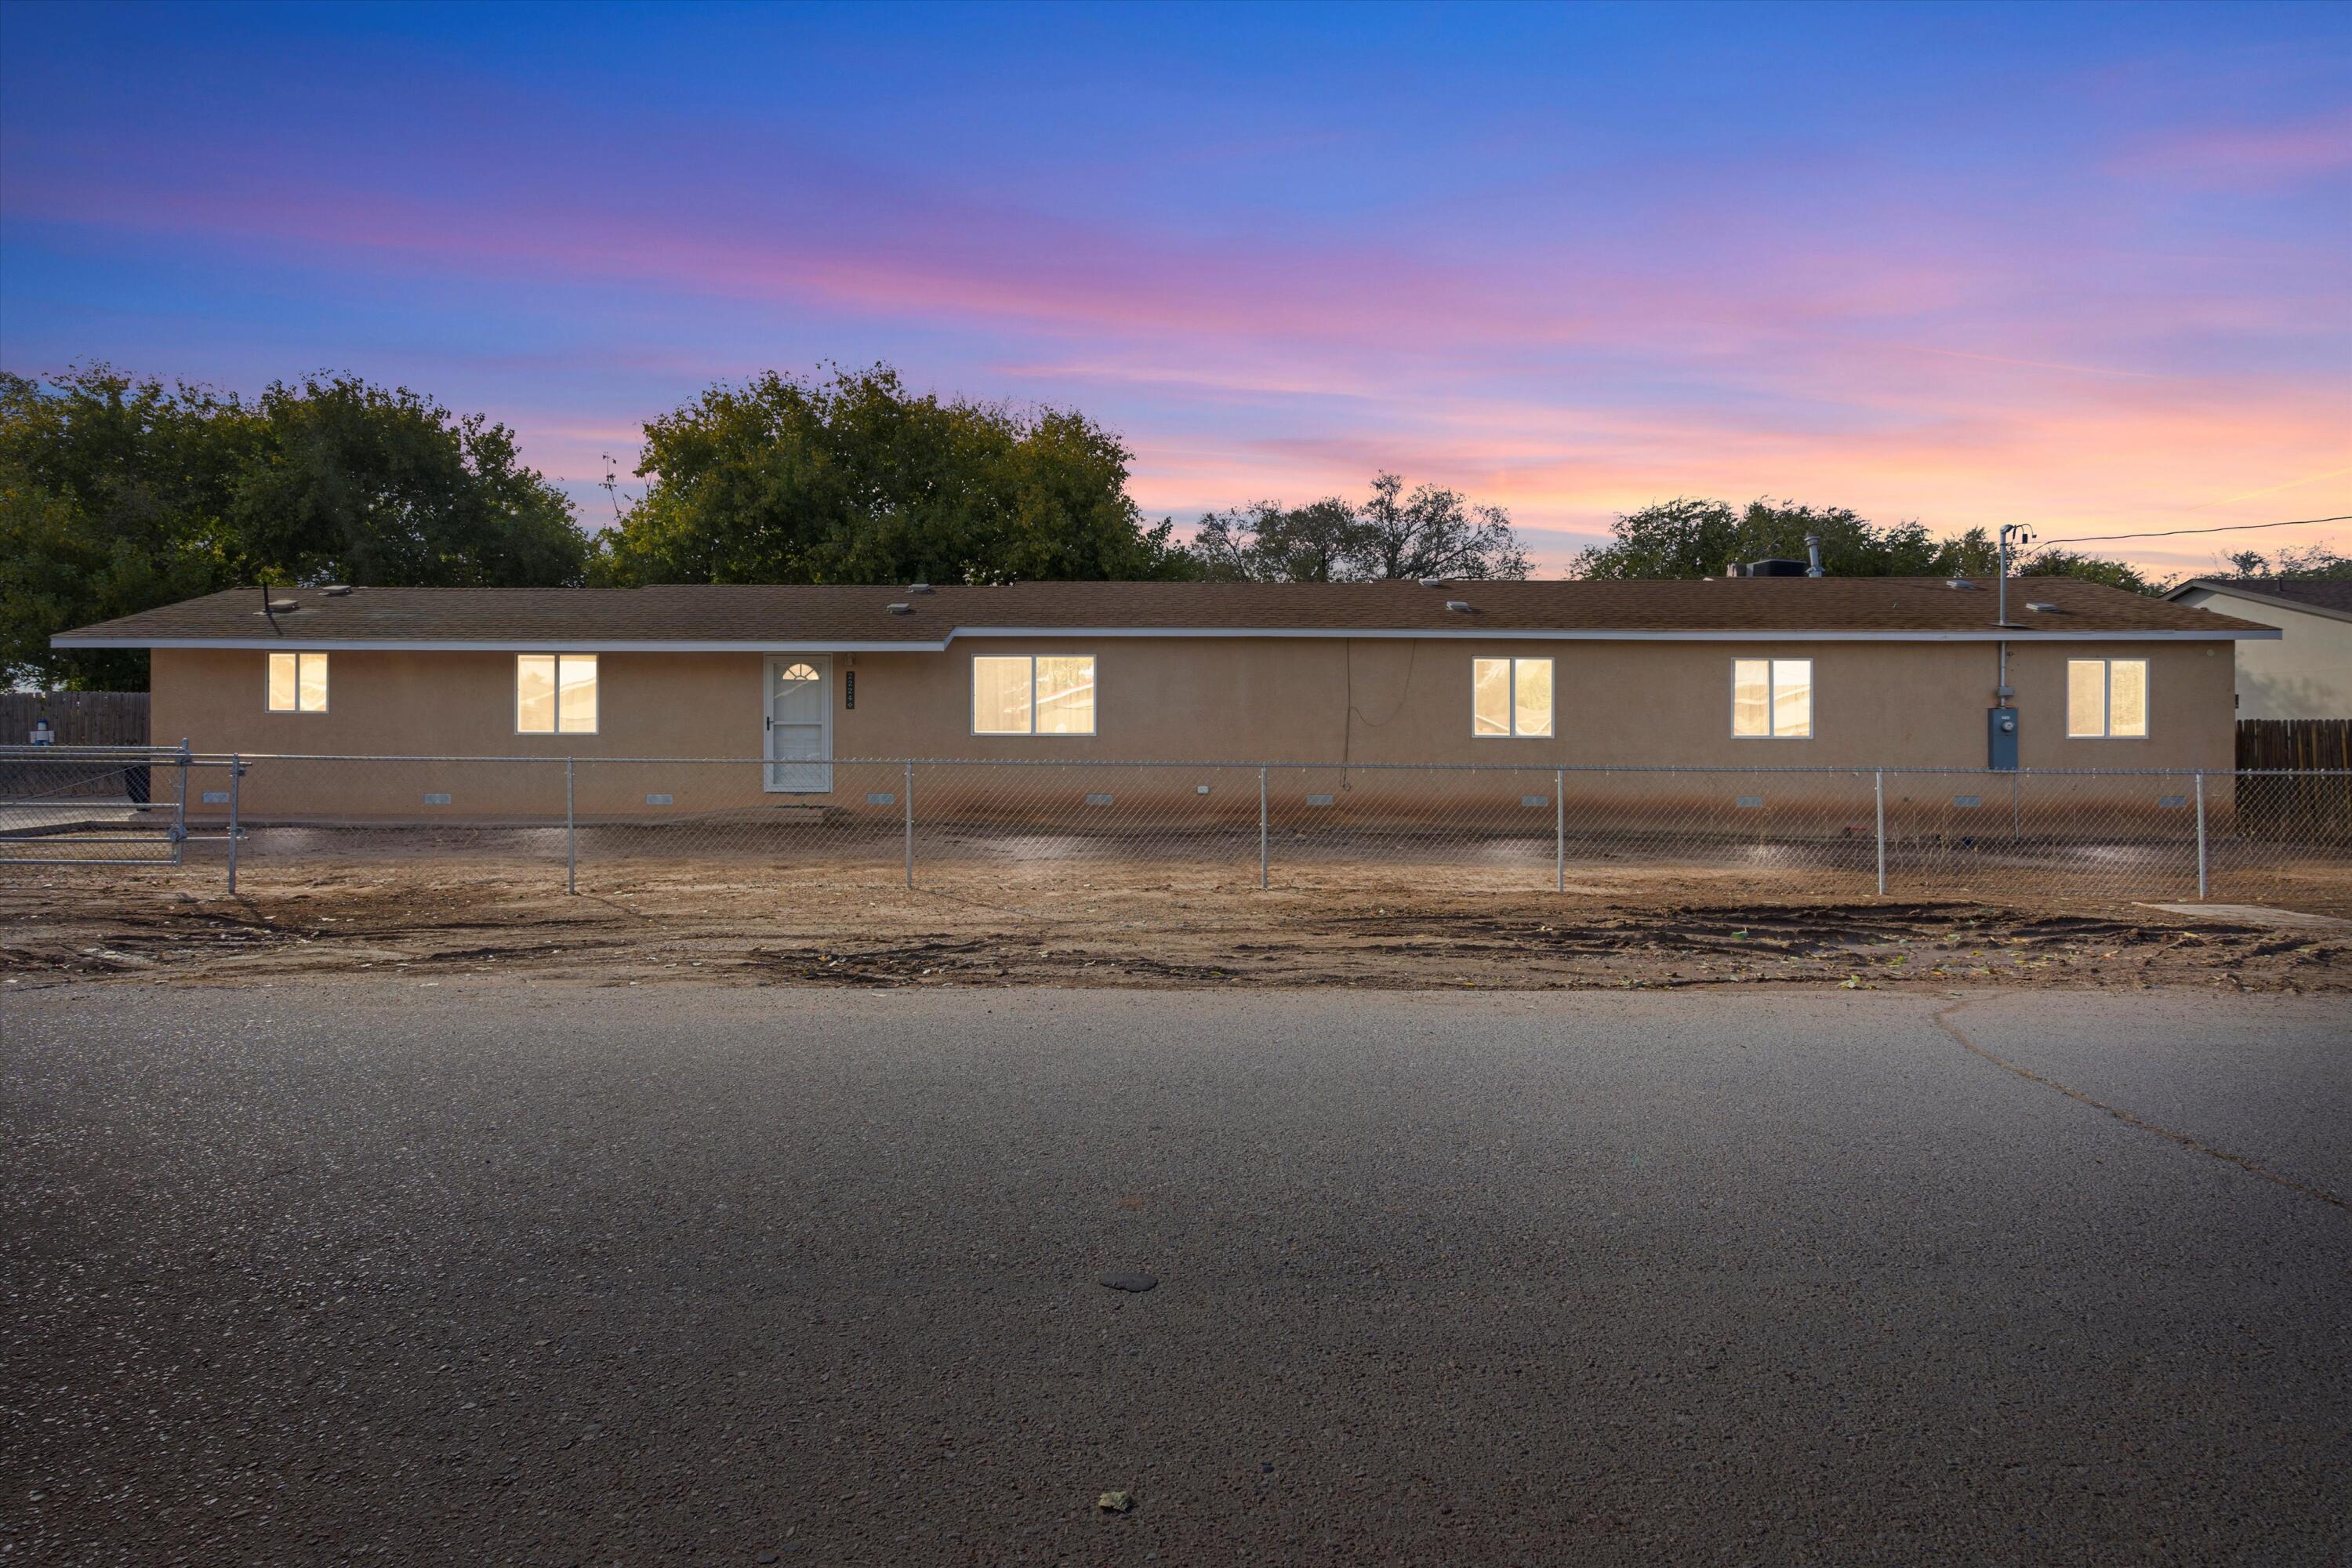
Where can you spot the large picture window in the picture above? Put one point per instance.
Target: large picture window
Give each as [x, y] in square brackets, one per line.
[298, 683]
[1773, 699]
[1511, 697]
[555, 694]
[2107, 698]
[1044, 694]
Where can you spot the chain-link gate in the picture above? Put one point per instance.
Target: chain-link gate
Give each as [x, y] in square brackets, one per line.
[93, 805]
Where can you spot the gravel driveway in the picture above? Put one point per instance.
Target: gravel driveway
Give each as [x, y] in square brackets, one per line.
[379, 1269]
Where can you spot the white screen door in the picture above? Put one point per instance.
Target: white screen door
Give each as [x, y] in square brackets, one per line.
[800, 724]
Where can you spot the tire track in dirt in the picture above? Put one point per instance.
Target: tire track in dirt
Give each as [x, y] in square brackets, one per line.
[1190, 937]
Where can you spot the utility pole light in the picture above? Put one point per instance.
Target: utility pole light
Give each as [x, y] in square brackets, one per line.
[2007, 530]
[2001, 723]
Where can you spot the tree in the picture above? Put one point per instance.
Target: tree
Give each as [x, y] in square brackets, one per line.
[2091, 569]
[853, 479]
[2313, 563]
[1265, 543]
[117, 495]
[1688, 537]
[114, 496]
[368, 485]
[1432, 532]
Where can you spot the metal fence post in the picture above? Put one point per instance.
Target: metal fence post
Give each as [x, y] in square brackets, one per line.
[1558, 832]
[2200, 837]
[180, 812]
[1261, 825]
[907, 793]
[235, 772]
[1878, 795]
[570, 834]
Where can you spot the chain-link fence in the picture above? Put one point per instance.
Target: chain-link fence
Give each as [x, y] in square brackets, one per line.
[93, 805]
[1041, 829]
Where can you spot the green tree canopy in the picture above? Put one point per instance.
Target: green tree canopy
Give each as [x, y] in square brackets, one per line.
[1690, 537]
[2090, 568]
[2303, 564]
[117, 495]
[853, 478]
[362, 484]
[1268, 543]
[1432, 533]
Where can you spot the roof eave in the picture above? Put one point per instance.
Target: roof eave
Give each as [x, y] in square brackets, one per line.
[67, 641]
[2271, 601]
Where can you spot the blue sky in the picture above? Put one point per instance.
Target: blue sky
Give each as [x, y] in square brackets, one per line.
[2088, 267]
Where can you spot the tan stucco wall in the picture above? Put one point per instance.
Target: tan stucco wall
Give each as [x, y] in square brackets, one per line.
[2306, 673]
[1241, 700]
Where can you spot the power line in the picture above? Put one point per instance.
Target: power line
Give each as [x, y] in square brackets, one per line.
[2169, 533]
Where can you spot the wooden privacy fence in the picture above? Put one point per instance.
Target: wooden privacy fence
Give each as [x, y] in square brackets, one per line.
[79, 717]
[2311, 807]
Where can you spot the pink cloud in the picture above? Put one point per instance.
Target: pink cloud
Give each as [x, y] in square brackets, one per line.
[1898, 358]
[2251, 156]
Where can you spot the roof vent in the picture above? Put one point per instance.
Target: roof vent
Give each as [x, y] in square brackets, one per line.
[1459, 606]
[1771, 566]
[1958, 582]
[2043, 605]
[902, 609]
[280, 607]
[338, 590]
[1432, 582]
[918, 587]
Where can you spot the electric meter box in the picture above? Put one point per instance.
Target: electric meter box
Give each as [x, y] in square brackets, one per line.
[2001, 738]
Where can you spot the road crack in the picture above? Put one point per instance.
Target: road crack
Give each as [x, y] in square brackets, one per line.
[1944, 1021]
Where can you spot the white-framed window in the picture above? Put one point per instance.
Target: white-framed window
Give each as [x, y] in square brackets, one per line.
[555, 694]
[1773, 699]
[1511, 697]
[1032, 694]
[2107, 698]
[298, 683]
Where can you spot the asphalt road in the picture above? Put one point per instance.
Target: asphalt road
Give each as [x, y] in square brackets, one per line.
[383, 1271]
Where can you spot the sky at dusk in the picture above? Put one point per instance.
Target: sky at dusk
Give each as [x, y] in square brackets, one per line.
[2088, 267]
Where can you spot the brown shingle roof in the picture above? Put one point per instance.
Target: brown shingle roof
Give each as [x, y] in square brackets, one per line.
[783, 615]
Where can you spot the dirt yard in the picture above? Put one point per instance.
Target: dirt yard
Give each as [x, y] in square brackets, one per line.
[708, 923]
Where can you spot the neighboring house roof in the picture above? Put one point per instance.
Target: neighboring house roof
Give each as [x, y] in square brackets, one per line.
[701, 616]
[2318, 596]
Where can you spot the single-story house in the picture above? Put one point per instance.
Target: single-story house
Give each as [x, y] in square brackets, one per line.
[1728, 673]
[2306, 673]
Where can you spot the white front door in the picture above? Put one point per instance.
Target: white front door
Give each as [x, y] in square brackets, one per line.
[800, 723]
